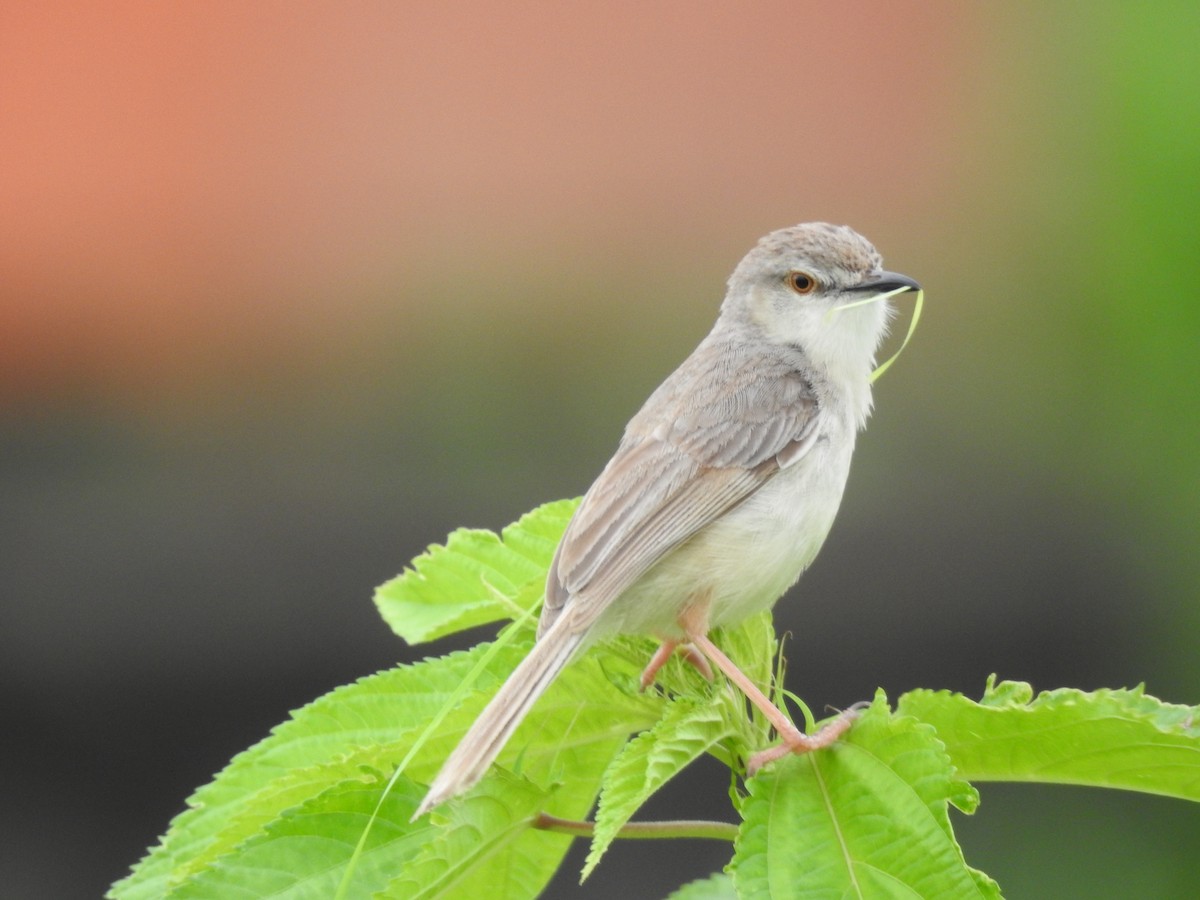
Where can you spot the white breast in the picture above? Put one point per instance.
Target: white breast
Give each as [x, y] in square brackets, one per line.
[746, 559]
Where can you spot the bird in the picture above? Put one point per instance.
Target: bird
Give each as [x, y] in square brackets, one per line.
[722, 488]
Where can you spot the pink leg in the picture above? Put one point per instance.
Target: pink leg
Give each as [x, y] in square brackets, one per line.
[698, 660]
[794, 740]
[663, 653]
[657, 661]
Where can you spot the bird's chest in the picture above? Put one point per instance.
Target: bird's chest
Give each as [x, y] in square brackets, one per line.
[759, 549]
[743, 561]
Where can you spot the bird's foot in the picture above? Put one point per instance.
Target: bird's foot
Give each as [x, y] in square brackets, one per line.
[796, 741]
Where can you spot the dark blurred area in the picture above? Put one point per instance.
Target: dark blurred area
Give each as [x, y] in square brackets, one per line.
[287, 295]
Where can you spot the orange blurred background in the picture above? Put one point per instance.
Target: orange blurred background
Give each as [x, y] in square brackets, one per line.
[188, 188]
[288, 291]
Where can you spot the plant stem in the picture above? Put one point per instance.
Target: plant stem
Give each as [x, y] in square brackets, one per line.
[680, 828]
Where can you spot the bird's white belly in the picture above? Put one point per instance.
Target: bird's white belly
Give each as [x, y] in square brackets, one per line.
[744, 561]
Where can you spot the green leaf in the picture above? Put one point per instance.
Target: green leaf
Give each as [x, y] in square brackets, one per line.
[1106, 738]
[867, 817]
[476, 578]
[484, 846]
[689, 727]
[307, 809]
[701, 718]
[715, 887]
[372, 723]
[367, 722]
[561, 751]
[303, 853]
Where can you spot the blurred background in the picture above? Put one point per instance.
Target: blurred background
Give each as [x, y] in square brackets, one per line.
[289, 291]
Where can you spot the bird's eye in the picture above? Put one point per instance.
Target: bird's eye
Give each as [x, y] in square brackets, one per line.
[801, 282]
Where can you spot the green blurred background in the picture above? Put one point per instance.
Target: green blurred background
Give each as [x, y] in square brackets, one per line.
[289, 292]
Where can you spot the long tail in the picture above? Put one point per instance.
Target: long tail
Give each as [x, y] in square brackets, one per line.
[487, 736]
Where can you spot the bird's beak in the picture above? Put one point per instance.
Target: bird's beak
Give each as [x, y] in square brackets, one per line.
[883, 282]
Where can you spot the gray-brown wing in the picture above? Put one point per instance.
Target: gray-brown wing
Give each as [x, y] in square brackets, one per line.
[710, 436]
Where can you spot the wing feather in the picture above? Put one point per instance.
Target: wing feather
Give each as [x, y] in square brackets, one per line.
[709, 437]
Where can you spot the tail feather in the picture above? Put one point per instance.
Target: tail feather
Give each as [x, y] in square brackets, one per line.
[490, 732]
